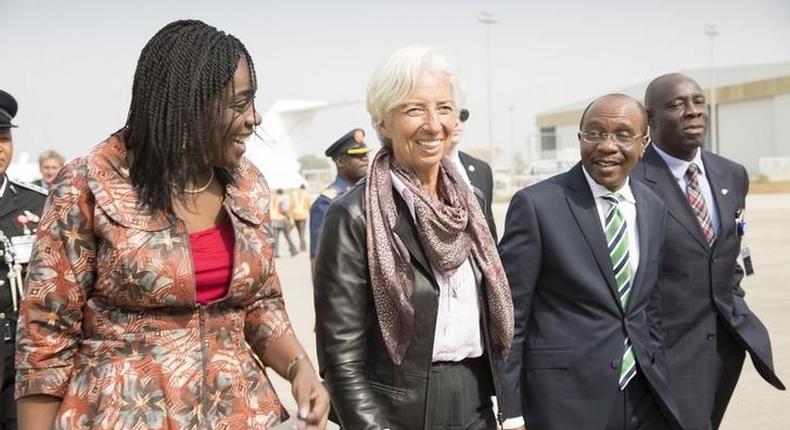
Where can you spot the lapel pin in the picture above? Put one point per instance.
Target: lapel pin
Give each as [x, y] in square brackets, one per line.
[724, 191]
[471, 168]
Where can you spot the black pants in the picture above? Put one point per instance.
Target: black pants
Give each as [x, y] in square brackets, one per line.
[635, 408]
[728, 365]
[7, 403]
[459, 396]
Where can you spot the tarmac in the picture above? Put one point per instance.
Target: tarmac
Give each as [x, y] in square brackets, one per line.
[755, 404]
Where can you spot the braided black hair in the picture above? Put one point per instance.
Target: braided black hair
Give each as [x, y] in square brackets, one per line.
[175, 128]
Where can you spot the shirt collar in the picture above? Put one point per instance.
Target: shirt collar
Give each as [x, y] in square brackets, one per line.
[404, 192]
[4, 185]
[679, 167]
[599, 190]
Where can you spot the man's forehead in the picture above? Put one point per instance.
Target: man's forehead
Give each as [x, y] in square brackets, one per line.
[5, 133]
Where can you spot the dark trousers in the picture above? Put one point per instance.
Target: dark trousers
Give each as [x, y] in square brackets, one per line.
[300, 228]
[459, 396]
[281, 227]
[635, 408]
[728, 365]
[7, 403]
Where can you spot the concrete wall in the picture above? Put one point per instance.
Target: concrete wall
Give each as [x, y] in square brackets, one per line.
[747, 131]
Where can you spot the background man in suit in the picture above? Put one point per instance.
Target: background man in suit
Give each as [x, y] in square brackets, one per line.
[475, 171]
[708, 325]
[580, 251]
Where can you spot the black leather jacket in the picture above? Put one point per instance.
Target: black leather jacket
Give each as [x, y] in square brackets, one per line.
[368, 391]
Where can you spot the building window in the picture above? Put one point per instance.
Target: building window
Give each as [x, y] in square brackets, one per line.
[548, 139]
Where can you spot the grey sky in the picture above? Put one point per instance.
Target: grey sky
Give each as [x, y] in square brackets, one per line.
[70, 63]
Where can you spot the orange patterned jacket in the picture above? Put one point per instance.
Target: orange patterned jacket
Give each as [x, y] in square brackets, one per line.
[109, 322]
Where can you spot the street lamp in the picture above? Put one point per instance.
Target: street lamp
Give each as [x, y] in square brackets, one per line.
[488, 19]
[712, 32]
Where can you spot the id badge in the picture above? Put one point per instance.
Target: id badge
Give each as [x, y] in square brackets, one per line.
[23, 247]
[746, 255]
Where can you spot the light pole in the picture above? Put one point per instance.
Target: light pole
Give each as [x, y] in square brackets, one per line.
[488, 19]
[712, 32]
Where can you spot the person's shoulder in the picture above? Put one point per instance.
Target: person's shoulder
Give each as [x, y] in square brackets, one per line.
[29, 188]
[477, 162]
[330, 192]
[722, 163]
[643, 191]
[352, 201]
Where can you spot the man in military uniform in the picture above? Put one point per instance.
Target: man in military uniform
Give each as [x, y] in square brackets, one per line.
[350, 155]
[20, 208]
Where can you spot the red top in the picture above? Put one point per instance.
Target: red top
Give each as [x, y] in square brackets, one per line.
[212, 253]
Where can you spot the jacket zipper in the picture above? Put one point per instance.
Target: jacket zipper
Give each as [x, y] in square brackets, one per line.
[204, 362]
[203, 420]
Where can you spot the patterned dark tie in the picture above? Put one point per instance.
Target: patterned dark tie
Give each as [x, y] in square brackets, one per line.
[697, 202]
[617, 239]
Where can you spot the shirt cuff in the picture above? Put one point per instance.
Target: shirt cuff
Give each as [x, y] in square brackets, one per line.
[512, 423]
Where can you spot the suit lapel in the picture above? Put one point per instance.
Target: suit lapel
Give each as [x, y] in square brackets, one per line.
[644, 222]
[582, 205]
[725, 201]
[678, 207]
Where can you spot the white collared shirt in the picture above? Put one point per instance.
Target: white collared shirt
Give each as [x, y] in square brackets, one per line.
[678, 169]
[457, 335]
[628, 209]
[4, 185]
[456, 159]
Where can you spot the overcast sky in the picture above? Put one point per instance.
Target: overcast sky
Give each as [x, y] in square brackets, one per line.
[70, 63]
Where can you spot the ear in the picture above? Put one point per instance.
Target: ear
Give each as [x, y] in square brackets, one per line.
[651, 119]
[644, 147]
[383, 129]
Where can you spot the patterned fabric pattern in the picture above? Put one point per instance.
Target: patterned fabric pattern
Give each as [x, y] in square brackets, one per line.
[110, 323]
[697, 202]
[617, 241]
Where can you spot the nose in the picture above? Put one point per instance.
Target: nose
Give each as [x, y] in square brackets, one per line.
[608, 144]
[432, 121]
[252, 117]
[693, 110]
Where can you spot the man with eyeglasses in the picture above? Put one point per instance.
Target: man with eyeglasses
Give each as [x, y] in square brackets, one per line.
[580, 252]
[707, 323]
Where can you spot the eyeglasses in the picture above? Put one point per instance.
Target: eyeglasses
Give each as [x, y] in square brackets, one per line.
[620, 138]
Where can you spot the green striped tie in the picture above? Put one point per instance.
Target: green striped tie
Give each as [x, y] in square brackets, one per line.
[617, 240]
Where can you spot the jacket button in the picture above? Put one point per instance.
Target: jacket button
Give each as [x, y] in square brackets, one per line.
[615, 364]
[711, 336]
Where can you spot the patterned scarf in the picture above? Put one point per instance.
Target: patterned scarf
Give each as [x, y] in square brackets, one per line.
[448, 230]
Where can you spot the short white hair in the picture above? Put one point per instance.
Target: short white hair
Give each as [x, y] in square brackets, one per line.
[394, 78]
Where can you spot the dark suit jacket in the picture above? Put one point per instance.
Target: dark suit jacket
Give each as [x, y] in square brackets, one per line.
[699, 284]
[564, 366]
[482, 179]
[368, 390]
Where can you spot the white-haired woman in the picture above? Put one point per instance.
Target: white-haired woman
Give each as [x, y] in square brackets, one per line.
[412, 304]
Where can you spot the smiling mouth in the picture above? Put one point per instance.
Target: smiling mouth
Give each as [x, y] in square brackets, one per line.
[430, 145]
[605, 164]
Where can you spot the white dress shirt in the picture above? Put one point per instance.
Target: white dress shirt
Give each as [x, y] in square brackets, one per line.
[457, 335]
[679, 167]
[456, 159]
[628, 209]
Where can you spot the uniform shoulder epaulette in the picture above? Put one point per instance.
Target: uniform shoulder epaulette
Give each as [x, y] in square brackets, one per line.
[330, 192]
[31, 187]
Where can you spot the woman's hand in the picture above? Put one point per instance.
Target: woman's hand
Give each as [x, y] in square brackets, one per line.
[311, 397]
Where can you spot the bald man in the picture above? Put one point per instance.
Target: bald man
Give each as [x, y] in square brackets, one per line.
[708, 326]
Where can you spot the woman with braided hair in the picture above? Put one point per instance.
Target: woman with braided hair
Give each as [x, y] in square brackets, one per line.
[153, 296]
